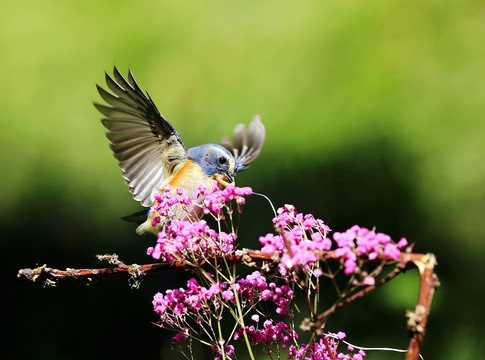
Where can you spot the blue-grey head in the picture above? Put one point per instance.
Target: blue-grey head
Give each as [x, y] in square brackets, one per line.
[215, 160]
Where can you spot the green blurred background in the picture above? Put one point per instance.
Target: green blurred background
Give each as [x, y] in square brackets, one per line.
[374, 113]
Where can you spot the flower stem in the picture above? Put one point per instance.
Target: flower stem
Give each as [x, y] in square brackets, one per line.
[241, 322]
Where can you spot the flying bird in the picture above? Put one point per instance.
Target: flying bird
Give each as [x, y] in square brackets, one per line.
[151, 153]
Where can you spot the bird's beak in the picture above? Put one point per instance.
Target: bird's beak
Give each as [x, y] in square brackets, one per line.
[229, 177]
[225, 180]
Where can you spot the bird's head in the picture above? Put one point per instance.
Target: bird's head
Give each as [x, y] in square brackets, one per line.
[215, 161]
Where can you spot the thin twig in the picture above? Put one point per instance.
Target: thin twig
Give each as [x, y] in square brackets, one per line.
[321, 318]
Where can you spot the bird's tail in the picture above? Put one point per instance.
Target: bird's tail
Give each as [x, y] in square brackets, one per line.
[139, 217]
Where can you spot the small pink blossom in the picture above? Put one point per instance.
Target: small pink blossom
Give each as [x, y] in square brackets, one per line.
[184, 334]
[402, 243]
[369, 280]
[228, 295]
[391, 251]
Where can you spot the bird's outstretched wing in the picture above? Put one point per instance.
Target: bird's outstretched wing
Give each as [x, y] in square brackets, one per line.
[246, 143]
[146, 145]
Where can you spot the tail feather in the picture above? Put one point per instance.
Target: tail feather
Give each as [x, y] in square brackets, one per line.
[139, 217]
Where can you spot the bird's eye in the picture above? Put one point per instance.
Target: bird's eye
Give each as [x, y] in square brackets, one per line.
[222, 160]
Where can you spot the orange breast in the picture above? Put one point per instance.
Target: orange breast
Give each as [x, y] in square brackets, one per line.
[176, 178]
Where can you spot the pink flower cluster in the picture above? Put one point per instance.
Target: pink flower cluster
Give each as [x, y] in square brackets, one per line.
[215, 199]
[183, 236]
[300, 239]
[175, 204]
[167, 203]
[255, 287]
[319, 351]
[196, 299]
[358, 241]
[183, 239]
[176, 304]
[299, 242]
[270, 333]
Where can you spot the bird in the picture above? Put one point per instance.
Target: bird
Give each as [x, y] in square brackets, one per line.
[151, 154]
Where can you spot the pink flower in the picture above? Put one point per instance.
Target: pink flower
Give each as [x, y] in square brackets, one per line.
[341, 335]
[391, 251]
[369, 280]
[184, 334]
[350, 266]
[266, 294]
[213, 290]
[228, 295]
[402, 243]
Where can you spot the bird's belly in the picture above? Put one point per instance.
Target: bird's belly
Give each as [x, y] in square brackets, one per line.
[189, 178]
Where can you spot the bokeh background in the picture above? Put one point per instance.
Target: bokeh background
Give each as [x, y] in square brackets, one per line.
[374, 113]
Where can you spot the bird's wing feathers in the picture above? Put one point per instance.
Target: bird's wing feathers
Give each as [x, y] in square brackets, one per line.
[145, 144]
[246, 143]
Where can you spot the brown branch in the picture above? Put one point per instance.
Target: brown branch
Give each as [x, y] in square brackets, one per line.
[321, 318]
[50, 276]
[418, 319]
